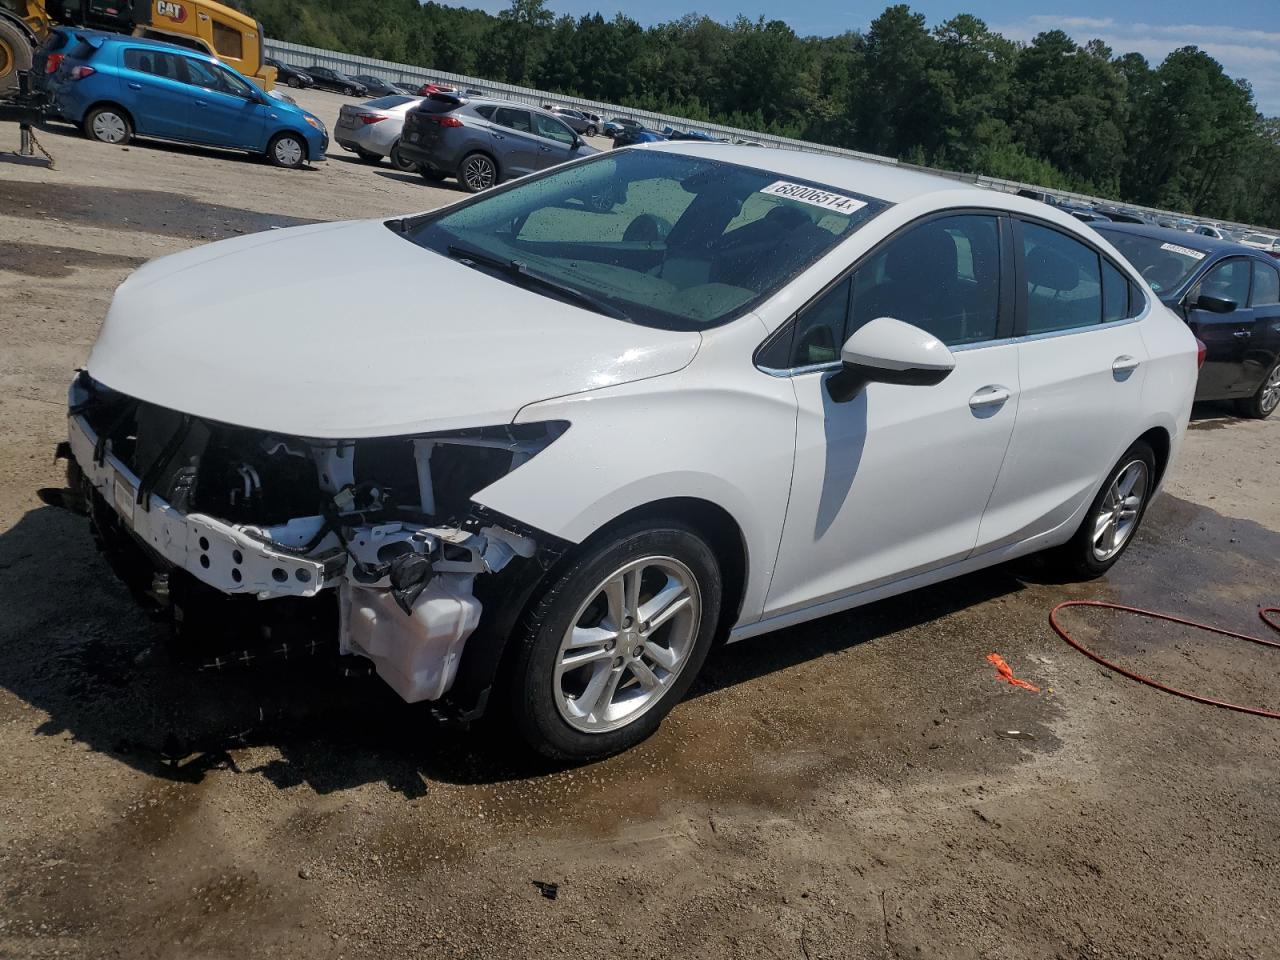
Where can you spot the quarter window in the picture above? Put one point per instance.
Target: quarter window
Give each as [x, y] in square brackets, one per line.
[820, 330]
[1229, 280]
[1115, 294]
[942, 276]
[1266, 285]
[1063, 280]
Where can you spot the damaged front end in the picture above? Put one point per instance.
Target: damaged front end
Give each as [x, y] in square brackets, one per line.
[387, 524]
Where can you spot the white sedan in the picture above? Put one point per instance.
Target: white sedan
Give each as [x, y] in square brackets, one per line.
[547, 445]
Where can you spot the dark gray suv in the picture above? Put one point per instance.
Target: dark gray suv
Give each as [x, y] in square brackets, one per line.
[483, 142]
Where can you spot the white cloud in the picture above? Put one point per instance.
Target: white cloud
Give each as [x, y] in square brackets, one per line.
[1250, 54]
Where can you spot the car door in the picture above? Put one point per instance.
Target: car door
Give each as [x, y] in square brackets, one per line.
[556, 142]
[225, 110]
[1081, 367]
[1263, 352]
[155, 92]
[514, 141]
[1226, 336]
[894, 481]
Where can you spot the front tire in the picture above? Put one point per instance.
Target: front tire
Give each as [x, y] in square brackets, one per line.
[294, 82]
[108, 125]
[592, 131]
[477, 172]
[287, 150]
[1113, 518]
[615, 641]
[1263, 403]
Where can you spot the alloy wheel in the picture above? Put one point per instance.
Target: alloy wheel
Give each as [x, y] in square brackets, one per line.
[1119, 511]
[478, 173]
[1270, 397]
[110, 127]
[626, 645]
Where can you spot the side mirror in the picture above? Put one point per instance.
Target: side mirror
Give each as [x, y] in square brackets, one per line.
[890, 351]
[1213, 304]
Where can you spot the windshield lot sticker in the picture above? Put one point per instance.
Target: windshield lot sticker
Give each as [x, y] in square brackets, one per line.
[1185, 251]
[814, 197]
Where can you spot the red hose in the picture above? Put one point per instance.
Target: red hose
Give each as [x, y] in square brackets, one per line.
[1263, 614]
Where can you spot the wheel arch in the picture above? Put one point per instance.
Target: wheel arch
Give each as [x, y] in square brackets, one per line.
[1161, 444]
[489, 650]
[115, 105]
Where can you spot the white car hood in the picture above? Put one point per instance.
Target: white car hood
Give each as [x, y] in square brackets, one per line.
[347, 330]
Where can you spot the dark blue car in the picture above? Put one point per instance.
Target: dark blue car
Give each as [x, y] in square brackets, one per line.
[1229, 295]
[116, 87]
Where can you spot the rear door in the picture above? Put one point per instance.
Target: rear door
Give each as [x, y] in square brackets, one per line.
[155, 92]
[1226, 336]
[514, 142]
[225, 111]
[1081, 367]
[555, 140]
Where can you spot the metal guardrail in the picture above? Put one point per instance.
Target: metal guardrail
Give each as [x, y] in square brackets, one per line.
[299, 55]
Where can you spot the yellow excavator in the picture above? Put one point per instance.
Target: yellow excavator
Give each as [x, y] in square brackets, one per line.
[204, 25]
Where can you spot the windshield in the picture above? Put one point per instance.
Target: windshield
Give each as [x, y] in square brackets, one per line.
[1162, 264]
[1257, 238]
[663, 239]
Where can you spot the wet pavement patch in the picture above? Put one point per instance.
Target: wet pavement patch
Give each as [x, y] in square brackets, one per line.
[38, 260]
[140, 211]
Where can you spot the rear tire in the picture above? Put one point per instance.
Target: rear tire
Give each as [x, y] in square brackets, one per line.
[1113, 518]
[592, 131]
[477, 172]
[16, 53]
[403, 163]
[287, 150]
[598, 664]
[108, 124]
[1263, 403]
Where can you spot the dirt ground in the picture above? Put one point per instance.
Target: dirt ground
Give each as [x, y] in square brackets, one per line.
[845, 789]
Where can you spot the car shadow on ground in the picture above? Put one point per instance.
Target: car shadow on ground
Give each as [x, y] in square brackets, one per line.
[61, 129]
[405, 177]
[1213, 415]
[81, 652]
[144, 211]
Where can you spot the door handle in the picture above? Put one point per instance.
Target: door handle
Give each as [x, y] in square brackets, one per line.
[1242, 334]
[498, 136]
[202, 103]
[1125, 364]
[989, 397]
[134, 86]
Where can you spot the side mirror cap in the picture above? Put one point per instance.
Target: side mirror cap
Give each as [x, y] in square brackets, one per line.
[890, 351]
[1214, 304]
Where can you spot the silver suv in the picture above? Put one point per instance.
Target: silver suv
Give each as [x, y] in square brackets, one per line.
[483, 142]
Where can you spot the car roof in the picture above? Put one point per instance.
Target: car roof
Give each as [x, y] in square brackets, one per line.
[881, 180]
[156, 44]
[1195, 241]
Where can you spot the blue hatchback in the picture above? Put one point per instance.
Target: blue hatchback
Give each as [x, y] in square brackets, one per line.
[115, 87]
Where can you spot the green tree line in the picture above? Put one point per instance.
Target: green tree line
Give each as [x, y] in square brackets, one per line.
[1181, 135]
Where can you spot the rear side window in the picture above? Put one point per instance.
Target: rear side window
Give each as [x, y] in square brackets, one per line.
[155, 62]
[486, 111]
[1266, 285]
[1063, 281]
[515, 119]
[942, 276]
[227, 41]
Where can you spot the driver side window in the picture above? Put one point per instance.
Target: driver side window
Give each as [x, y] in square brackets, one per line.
[1229, 280]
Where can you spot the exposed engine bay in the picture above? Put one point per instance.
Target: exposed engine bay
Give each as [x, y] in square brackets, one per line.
[387, 524]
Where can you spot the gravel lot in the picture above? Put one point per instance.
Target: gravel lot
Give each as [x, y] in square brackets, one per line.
[837, 790]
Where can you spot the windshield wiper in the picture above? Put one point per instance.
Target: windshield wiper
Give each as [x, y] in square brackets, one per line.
[518, 271]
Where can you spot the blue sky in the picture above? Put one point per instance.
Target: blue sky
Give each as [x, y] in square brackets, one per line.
[1243, 35]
